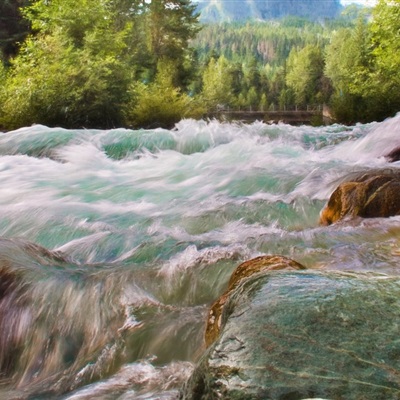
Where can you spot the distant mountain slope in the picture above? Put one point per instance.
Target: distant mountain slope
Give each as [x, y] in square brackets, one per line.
[241, 10]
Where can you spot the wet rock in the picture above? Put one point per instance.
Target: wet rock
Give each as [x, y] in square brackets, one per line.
[370, 195]
[53, 330]
[244, 270]
[304, 334]
[394, 155]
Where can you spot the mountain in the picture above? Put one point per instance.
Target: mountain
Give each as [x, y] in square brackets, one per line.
[242, 10]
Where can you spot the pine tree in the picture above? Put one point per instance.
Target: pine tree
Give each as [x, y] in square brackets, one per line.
[171, 24]
[217, 83]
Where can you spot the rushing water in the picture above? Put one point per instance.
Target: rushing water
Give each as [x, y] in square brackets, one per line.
[114, 243]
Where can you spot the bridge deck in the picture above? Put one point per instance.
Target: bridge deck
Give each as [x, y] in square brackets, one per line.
[294, 117]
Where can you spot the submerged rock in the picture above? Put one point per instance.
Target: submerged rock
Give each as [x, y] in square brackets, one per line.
[244, 270]
[394, 155]
[305, 334]
[57, 328]
[370, 195]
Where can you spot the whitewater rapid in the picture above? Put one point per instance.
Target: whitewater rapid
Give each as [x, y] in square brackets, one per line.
[138, 231]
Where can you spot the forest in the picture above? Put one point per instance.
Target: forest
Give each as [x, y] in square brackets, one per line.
[138, 63]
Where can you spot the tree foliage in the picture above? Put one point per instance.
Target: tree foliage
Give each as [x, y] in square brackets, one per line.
[140, 63]
[305, 74]
[346, 67]
[161, 103]
[383, 83]
[70, 73]
[78, 67]
[363, 65]
[217, 83]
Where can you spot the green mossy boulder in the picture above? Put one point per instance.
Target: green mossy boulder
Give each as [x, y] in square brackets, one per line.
[292, 335]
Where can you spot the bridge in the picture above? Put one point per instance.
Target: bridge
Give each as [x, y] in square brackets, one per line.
[311, 115]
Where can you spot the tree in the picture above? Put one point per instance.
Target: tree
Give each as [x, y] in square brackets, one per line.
[217, 83]
[348, 65]
[263, 106]
[2, 87]
[237, 78]
[170, 25]
[252, 74]
[304, 73]
[71, 18]
[74, 72]
[363, 65]
[385, 30]
[383, 84]
[253, 99]
[161, 103]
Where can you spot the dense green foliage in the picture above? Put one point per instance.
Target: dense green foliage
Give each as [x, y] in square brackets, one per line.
[363, 66]
[78, 68]
[271, 65]
[147, 63]
[161, 103]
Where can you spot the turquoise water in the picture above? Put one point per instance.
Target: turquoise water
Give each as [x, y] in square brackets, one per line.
[143, 230]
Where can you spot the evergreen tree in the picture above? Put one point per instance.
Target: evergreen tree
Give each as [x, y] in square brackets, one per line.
[304, 74]
[347, 66]
[263, 106]
[171, 24]
[217, 83]
[253, 99]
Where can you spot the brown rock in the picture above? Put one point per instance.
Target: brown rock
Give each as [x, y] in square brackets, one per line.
[243, 271]
[394, 155]
[371, 195]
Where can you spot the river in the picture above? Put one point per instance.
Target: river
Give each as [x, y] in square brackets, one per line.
[114, 243]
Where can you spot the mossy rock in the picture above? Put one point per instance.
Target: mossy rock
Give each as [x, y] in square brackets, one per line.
[248, 268]
[305, 334]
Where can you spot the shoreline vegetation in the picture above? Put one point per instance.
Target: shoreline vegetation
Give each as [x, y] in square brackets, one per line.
[135, 64]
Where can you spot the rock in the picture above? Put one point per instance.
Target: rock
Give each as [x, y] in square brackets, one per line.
[394, 155]
[244, 270]
[304, 334]
[54, 334]
[370, 195]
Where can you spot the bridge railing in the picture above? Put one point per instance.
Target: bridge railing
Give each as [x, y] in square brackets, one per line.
[271, 108]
